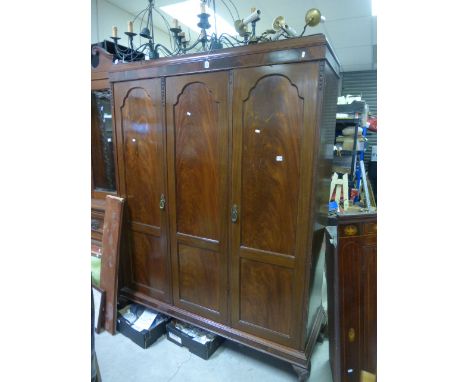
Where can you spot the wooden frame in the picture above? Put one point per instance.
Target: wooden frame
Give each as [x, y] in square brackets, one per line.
[100, 81]
[99, 299]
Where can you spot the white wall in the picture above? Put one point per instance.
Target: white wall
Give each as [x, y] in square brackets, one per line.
[105, 15]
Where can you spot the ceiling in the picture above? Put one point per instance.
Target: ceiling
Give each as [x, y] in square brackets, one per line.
[350, 26]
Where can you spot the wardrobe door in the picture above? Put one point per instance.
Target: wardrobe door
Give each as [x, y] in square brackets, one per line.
[197, 128]
[274, 112]
[140, 142]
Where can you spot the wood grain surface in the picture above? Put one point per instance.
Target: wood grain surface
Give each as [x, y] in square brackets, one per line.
[197, 125]
[139, 119]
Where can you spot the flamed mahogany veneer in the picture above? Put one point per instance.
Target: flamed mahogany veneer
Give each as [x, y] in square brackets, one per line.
[224, 160]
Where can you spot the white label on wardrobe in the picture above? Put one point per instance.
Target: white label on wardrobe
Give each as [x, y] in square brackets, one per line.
[207, 64]
[175, 338]
[279, 158]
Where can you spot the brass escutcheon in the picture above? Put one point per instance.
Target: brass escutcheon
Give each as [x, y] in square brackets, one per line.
[350, 230]
[351, 335]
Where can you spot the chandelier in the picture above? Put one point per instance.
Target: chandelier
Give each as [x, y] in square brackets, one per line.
[205, 42]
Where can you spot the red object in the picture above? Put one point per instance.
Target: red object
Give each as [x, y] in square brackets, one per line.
[354, 194]
[372, 124]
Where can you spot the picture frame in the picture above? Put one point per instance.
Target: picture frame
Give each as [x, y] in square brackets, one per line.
[99, 298]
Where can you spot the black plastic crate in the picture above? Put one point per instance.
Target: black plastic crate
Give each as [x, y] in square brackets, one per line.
[145, 338]
[182, 339]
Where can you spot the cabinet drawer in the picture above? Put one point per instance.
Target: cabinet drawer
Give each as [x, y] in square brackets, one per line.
[352, 229]
[369, 228]
[357, 229]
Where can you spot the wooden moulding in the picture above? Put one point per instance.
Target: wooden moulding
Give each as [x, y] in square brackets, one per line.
[304, 49]
[104, 63]
[110, 258]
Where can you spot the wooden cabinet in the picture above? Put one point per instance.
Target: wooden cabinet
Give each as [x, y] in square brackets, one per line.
[352, 296]
[225, 159]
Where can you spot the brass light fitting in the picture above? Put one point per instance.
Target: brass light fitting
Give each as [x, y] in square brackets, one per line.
[313, 17]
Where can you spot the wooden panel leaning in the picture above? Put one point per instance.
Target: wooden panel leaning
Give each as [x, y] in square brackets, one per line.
[110, 258]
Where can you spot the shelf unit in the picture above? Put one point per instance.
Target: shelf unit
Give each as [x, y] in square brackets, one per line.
[356, 109]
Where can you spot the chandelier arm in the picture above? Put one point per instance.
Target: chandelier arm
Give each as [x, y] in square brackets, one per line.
[141, 21]
[144, 10]
[226, 6]
[198, 41]
[263, 38]
[226, 40]
[165, 21]
[150, 15]
[235, 8]
[232, 37]
[122, 54]
[282, 34]
[303, 31]
[140, 47]
[158, 46]
[212, 42]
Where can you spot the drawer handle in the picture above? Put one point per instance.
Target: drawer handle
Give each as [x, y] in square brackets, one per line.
[351, 335]
[234, 213]
[162, 202]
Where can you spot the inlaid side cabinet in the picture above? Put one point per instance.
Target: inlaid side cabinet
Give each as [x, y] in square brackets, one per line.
[224, 160]
[351, 259]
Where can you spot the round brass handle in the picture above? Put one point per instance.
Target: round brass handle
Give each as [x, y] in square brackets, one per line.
[351, 335]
